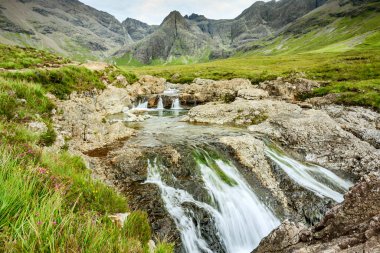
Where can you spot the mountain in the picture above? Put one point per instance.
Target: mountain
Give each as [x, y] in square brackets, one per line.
[336, 26]
[175, 37]
[136, 29]
[74, 29]
[196, 37]
[68, 27]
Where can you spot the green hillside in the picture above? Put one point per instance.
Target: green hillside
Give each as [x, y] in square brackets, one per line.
[335, 44]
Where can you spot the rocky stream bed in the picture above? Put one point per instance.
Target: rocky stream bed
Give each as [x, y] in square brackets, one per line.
[241, 168]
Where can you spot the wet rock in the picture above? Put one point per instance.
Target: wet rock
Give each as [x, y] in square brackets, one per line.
[286, 197]
[205, 224]
[249, 152]
[321, 140]
[353, 226]
[288, 234]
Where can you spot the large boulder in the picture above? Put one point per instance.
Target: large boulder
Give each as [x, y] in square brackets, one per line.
[147, 85]
[113, 100]
[204, 90]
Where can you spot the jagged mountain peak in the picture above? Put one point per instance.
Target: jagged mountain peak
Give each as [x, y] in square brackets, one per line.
[176, 19]
[196, 17]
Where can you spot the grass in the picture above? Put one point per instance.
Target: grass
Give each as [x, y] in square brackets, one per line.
[341, 49]
[344, 68]
[13, 57]
[60, 82]
[49, 201]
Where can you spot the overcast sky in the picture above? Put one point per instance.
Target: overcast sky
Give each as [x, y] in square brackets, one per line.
[154, 11]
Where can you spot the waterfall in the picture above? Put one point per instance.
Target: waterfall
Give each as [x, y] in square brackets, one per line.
[240, 218]
[317, 179]
[176, 105]
[160, 104]
[142, 106]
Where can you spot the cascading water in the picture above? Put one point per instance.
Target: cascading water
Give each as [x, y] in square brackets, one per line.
[160, 104]
[176, 105]
[142, 106]
[317, 179]
[240, 218]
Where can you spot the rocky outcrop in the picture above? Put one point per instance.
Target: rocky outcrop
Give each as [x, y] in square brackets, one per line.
[289, 89]
[204, 90]
[353, 226]
[321, 140]
[282, 194]
[147, 85]
[253, 94]
[240, 112]
[82, 119]
[113, 100]
[361, 122]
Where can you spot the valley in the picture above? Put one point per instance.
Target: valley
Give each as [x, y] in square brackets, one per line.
[255, 134]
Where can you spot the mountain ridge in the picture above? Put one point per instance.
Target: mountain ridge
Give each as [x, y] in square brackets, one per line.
[74, 29]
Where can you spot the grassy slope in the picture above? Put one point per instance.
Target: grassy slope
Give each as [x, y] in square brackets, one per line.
[12, 57]
[49, 201]
[345, 53]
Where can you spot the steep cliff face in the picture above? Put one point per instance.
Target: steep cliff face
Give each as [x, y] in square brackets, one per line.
[136, 29]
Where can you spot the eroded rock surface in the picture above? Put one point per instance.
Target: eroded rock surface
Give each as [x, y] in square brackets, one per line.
[204, 90]
[321, 140]
[240, 112]
[353, 226]
[363, 123]
[82, 119]
[288, 89]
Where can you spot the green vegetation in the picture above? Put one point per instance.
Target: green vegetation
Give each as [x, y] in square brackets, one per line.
[12, 57]
[343, 68]
[137, 227]
[111, 73]
[48, 201]
[337, 45]
[60, 82]
[208, 158]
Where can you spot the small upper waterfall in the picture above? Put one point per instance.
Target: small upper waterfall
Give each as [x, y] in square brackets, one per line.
[160, 104]
[240, 218]
[142, 106]
[176, 105]
[312, 177]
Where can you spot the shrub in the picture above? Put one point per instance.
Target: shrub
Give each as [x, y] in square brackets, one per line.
[48, 138]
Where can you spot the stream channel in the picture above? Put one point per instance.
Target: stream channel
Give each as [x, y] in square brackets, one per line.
[214, 205]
